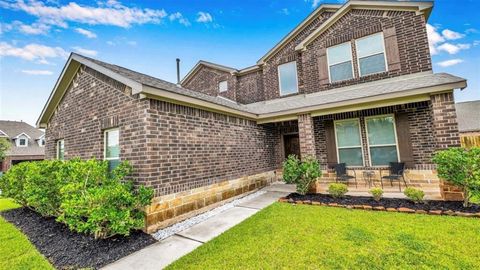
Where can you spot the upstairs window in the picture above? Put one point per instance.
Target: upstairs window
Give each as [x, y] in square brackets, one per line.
[349, 142]
[112, 148]
[41, 142]
[22, 141]
[223, 86]
[339, 59]
[287, 78]
[382, 140]
[60, 150]
[371, 54]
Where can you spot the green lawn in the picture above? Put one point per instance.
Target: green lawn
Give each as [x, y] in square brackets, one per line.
[16, 252]
[285, 236]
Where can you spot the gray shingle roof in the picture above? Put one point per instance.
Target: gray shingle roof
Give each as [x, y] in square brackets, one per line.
[162, 84]
[468, 116]
[14, 128]
[350, 93]
[397, 85]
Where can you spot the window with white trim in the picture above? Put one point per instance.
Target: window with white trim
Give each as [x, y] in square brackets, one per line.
[339, 59]
[223, 86]
[287, 78]
[61, 149]
[22, 141]
[112, 148]
[349, 142]
[382, 139]
[371, 54]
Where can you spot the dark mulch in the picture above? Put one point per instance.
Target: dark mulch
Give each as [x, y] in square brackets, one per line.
[69, 250]
[386, 202]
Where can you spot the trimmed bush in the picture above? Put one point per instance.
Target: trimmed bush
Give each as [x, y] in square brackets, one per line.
[377, 193]
[309, 172]
[460, 167]
[291, 169]
[337, 190]
[415, 195]
[81, 194]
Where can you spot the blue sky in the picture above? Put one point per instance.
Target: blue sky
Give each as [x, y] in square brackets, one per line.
[37, 36]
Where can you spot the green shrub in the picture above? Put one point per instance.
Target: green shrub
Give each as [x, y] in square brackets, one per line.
[291, 170]
[460, 167]
[81, 194]
[337, 190]
[309, 172]
[377, 193]
[415, 195]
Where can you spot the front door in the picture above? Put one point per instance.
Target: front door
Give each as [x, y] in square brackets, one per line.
[292, 145]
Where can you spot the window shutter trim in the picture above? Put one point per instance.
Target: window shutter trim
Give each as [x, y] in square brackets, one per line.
[391, 49]
[323, 67]
[330, 142]
[403, 139]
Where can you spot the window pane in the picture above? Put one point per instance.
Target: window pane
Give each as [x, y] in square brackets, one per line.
[351, 156]
[288, 78]
[372, 64]
[370, 45]
[348, 133]
[60, 150]
[22, 141]
[113, 147]
[381, 130]
[340, 53]
[112, 164]
[341, 72]
[382, 155]
[223, 86]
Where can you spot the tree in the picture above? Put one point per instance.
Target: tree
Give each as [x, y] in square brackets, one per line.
[4, 146]
[460, 167]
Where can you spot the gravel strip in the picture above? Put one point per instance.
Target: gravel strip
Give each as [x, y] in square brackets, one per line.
[180, 226]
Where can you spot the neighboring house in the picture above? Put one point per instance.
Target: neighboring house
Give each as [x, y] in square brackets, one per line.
[468, 114]
[27, 143]
[351, 83]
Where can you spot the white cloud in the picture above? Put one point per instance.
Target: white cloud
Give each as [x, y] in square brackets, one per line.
[472, 31]
[81, 50]
[204, 17]
[315, 3]
[132, 43]
[452, 48]
[476, 43]
[451, 35]
[32, 52]
[37, 72]
[177, 16]
[113, 13]
[29, 29]
[433, 38]
[85, 32]
[285, 11]
[449, 63]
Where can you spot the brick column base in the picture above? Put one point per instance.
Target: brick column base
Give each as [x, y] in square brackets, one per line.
[450, 192]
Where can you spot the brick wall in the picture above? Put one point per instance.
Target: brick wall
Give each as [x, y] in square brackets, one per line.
[250, 87]
[92, 104]
[306, 135]
[172, 148]
[420, 126]
[206, 81]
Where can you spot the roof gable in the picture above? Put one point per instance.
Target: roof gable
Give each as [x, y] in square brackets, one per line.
[201, 63]
[419, 7]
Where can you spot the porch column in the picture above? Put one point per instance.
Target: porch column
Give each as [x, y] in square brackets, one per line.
[445, 128]
[444, 119]
[305, 135]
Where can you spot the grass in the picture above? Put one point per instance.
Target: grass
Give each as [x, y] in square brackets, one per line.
[285, 236]
[16, 252]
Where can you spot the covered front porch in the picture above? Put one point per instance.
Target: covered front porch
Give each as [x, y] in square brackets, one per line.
[367, 140]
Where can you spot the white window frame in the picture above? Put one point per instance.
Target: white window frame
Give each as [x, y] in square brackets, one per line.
[41, 142]
[220, 89]
[351, 60]
[380, 145]
[105, 143]
[361, 140]
[384, 54]
[279, 79]
[19, 139]
[58, 149]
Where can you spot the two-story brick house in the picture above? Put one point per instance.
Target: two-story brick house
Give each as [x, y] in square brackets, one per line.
[352, 83]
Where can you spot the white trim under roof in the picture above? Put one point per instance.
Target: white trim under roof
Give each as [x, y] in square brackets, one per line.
[3, 134]
[207, 64]
[419, 7]
[24, 134]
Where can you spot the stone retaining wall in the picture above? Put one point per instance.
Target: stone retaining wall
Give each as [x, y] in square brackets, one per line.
[172, 208]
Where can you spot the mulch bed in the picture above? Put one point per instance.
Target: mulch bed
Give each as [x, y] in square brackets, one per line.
[69, 250]
[386, 204]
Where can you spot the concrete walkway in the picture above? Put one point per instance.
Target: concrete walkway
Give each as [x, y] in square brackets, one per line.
[163, 253]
